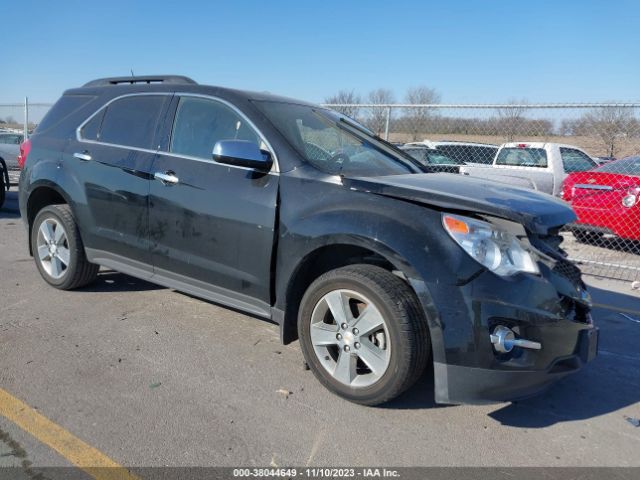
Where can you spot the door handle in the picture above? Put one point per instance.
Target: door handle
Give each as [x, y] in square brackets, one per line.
[167, 178]
[84, 156]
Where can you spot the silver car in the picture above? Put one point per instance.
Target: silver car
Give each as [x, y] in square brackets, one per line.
[10, 148]
[9, 170]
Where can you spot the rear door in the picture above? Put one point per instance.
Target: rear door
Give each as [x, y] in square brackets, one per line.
[212, 226]
[111, 160]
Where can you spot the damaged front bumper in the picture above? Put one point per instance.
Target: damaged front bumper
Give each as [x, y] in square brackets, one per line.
[474, 385]
[548, 316]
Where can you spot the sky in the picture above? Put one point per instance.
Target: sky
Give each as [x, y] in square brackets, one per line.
[470, 51]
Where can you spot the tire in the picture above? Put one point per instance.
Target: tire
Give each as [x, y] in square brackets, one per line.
[67, 267]
[582, 236]
[382, 363]
[3, 188]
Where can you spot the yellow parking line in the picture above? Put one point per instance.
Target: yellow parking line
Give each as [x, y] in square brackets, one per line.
[82, 455]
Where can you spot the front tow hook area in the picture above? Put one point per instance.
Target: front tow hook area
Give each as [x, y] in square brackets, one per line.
[504, 340]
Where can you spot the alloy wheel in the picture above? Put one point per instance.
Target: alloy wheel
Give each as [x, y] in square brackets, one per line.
[53, 248]
[350, 338]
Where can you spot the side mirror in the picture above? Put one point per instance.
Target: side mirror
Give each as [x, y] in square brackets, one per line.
[242, 153]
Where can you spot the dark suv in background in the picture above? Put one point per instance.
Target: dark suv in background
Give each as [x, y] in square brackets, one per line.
[297, 214]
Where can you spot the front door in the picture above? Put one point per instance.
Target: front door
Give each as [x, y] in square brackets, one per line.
[212, 225]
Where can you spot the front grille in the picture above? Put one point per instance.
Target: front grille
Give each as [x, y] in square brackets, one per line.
[550, 245]
[568, 270]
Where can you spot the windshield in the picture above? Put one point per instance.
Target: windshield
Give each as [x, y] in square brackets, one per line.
[626, 166]
[335, 144]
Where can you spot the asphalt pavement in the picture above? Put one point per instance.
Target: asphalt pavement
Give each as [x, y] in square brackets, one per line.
[152, 377]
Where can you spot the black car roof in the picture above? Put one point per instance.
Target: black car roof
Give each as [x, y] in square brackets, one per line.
[116, 86]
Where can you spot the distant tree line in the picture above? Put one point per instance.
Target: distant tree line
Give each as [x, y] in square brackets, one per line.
[376, 117]
[606, 124]
[609, 124]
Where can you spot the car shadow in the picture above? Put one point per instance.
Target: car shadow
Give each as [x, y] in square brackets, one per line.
[10, 207]
[419, 396]
[111, 281]
[611, 382]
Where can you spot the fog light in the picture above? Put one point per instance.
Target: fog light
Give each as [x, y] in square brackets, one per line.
[629, 200]
[503, 340]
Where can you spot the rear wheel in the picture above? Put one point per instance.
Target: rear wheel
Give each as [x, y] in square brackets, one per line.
[363, 333]
[58, 249]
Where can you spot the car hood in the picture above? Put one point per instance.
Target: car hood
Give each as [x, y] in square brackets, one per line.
[538, 212]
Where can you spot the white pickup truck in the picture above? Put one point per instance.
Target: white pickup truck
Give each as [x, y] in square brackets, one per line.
[545, 164]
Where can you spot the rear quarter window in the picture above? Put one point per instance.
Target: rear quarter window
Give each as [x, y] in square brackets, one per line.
[522, 157]
[63, 108]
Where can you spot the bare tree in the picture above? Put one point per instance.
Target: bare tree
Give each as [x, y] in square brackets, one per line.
[609, 124]
[512, 117]
[345, 99]
[378, 114]
[418, 117]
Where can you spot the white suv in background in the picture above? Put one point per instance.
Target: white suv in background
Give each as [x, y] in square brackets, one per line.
[468, 152]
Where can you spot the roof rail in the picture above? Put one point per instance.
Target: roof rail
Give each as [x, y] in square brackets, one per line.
[148, 79]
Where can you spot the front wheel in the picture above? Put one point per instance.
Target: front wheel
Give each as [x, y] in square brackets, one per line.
[58, 249]
[363, 333]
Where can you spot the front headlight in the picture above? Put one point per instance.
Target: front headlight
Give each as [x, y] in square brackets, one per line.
[629, 200]
[498, 250]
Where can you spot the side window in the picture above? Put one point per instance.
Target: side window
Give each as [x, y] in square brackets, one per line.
[11, 139]
[200, 123]
[456, 152]
[419, 154]
[485, 155]
[130, 121]
[91, 129]
[576, 161]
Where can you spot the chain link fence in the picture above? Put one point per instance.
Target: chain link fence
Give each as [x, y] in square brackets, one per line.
[587, 154]
[17, 121]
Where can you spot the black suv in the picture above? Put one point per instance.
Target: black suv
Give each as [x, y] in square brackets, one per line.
[297, 214]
